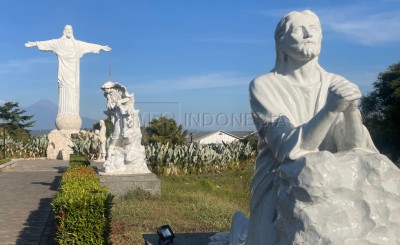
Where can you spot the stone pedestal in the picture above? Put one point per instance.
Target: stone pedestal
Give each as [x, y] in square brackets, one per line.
[119, 185]
[68, 122]
[60, 143]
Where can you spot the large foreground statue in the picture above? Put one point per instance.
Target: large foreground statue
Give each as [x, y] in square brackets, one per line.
[125, 154]
[318, 177]
[69, 52]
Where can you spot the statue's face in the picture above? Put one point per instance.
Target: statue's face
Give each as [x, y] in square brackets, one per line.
[68, 32]
[303, 38]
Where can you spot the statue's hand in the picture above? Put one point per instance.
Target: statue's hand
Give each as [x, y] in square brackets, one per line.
[353, 106]
[106, 48]
[343, 95]
[30, 44]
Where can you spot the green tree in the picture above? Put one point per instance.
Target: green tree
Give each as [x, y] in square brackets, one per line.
[17, 122]
[165, 130]
[380, 110]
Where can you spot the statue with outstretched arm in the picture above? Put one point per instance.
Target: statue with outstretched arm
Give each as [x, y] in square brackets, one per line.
[69, 52]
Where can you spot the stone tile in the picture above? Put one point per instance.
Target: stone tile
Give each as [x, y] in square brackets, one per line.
[26, 192]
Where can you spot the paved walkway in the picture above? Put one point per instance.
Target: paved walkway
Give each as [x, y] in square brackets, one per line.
[26, 192]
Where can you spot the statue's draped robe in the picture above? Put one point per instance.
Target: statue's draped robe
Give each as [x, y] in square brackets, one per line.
[280, 108]
[69, 53]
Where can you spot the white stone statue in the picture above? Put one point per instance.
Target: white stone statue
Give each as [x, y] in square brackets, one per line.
[60, 145]
[318, 177]
[102, 140]
[125, 154]
[69, 52]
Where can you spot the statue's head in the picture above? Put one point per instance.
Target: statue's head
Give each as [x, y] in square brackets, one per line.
[68, 32]
[298, 35]
[114, 91]
[102, 123]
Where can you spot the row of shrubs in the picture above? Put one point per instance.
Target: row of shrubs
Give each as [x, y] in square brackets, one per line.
[81, 206]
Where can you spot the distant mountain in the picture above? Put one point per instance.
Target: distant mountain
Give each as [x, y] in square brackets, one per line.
[45, 112]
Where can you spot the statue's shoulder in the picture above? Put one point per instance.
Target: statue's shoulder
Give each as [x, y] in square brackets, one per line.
[264, 80]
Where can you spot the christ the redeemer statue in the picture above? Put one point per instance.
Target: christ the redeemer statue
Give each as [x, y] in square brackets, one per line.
[69, 52]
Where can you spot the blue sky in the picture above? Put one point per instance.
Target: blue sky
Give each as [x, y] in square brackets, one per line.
[188, 59]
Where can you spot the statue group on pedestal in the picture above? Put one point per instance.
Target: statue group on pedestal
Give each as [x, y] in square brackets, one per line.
[125, 154]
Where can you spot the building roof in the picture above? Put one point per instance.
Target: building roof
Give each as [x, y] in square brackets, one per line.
[197, 136]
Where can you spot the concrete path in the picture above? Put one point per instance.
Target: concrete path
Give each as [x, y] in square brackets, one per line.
[26, 192]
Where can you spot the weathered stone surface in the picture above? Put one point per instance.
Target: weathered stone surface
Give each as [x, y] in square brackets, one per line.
[60, 144]
[119, 185]
[343, 198]
[68, 122]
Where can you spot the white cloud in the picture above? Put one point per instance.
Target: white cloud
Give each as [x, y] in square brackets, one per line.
[23, 65]
[363, 26]
[203, 81]
[2, 102]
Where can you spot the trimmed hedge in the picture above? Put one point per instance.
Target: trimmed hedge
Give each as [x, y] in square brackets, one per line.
[78, 160]
[81, 207]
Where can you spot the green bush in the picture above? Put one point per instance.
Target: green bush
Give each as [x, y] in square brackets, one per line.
[81, 208]
[78, 160]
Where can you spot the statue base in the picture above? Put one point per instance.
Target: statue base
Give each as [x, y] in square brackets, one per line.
[60, 143]
[119, 185]
[68, 122]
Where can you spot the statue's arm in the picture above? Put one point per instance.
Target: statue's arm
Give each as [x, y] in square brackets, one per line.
[92, 48]
[342, 95]
[272, 121]
[353, 128]
[315, 130]
[350, 133]
[106, 48]
[30, 44]
[49, 45]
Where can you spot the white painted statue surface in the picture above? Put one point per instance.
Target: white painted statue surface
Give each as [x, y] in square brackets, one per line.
[102, 140]
[318, 177]
[69, 52]
[125, 154]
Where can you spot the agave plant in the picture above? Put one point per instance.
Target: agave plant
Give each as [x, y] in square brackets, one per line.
[34, 147]
[195, 157]
[87, 145]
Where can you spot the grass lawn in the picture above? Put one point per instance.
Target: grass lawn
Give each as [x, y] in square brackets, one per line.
[191, 203]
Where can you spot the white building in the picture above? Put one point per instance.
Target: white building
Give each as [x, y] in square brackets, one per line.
[217, 137]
